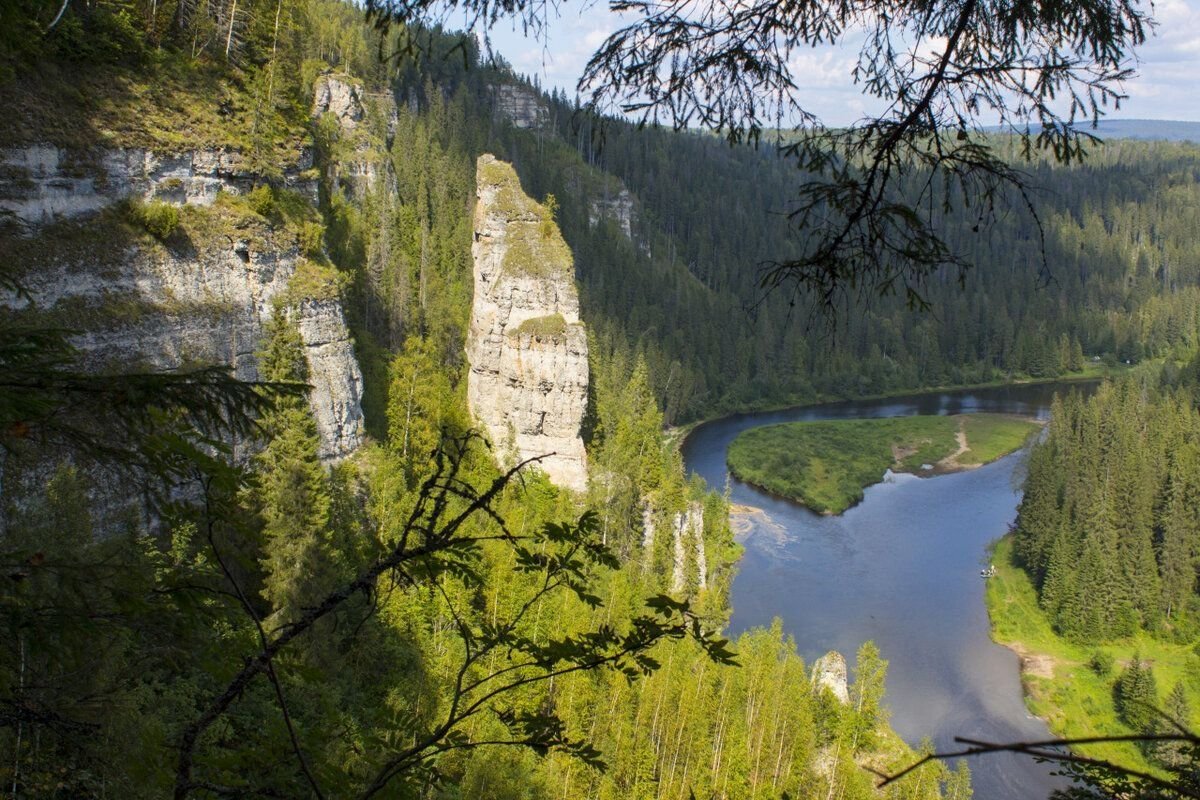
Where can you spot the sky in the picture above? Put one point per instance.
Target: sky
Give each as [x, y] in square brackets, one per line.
[1167, 85]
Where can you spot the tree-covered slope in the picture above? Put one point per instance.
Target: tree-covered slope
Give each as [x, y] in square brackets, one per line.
[407, 621]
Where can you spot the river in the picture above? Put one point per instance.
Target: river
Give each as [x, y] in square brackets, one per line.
[901, 568]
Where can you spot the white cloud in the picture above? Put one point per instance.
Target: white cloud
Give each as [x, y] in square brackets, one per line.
[1167, 85]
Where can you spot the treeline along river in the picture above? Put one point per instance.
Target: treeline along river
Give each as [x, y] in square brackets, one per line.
[901, 568]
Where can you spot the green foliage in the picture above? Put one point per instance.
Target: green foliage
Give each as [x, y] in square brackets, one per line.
[548, 225]
[868, 717]
[549, 327]
[826, 465]
[1135, 695]
[315, 280]
[262, 200]
[992, 436]
[291, 487]
[1076, 702]
[1108, 528]
[312, 239]
[422, 408]
[1102, 663]
[159, 219]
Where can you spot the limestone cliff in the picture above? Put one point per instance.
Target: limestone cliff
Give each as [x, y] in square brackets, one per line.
[618, 207]
[361, 126]
[41, 184]
[521, 106]
[201, 294]
[526, 345]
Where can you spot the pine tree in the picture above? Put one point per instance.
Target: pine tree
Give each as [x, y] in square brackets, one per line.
[1176, 719]
[1135, 695]
[291, 487]
[1180, 538]
[867, 712]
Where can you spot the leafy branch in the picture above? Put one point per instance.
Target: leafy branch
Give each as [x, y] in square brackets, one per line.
[438, 539]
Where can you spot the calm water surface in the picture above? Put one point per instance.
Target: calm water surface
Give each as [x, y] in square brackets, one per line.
[901, 568]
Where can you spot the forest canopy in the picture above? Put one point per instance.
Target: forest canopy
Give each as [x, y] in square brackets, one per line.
[940, 72]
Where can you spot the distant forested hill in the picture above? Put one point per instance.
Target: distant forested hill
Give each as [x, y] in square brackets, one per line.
[1166, 130]
[1163, 129]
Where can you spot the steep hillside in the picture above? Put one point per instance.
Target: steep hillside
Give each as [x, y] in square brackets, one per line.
[349, 597]
[170, 260]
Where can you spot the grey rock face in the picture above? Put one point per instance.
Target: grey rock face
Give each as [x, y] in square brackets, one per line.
[333, 373]
[41, 184]
[367, 167]
[619, 208]
[829, 672]
[340, 96]
[688, 528]
[156, 307]
[520, 106]
[170, 311]
[526, 345]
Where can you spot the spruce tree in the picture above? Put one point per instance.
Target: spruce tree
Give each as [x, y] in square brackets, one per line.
[291, 487]
[1135, 695]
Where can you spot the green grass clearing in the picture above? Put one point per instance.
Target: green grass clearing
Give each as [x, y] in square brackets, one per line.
[826, 465]
[1061, 687]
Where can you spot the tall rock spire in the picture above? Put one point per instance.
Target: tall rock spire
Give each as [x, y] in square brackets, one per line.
[526, 345]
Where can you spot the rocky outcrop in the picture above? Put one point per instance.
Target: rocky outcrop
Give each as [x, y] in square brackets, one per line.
[618, 208]
[333, 373]
[359, 163]
[647, 527]
[147, 306]
[829, 672]
[202, 298]
[688, 531]
[42, 184]
[340, 96]
[527, 348]
[687, 535]
[521, 106]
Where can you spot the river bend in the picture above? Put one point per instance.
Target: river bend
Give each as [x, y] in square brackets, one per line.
[901, 568]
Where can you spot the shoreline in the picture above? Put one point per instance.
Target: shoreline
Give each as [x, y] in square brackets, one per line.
[677, 435]
[947, 465]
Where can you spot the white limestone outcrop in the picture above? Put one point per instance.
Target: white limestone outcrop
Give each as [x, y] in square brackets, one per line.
[526, 345]
[829, 672]
[362, 165]
[688, 530]
[41, 184]
[340, 96]
[200, 301]
[157, 308]
[521, 106]
[618, 208]
[687, 541]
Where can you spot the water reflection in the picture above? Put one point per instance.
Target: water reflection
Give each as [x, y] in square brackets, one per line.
[902, 568]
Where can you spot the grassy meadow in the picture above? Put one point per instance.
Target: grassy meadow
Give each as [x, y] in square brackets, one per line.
[1060, 686]
[826, 465]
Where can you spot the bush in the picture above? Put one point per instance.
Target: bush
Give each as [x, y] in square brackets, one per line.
[312, 239]
[550, 204]
[262, 200]
[1101, 663]
[159, 219]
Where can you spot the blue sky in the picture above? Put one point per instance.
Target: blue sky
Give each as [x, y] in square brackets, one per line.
[1167, 85]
